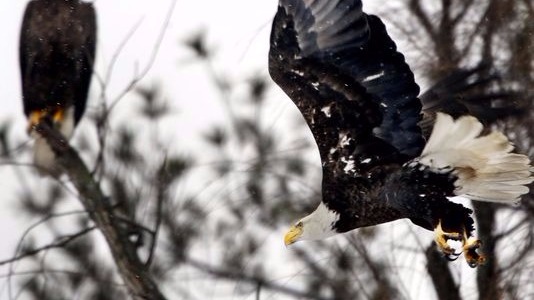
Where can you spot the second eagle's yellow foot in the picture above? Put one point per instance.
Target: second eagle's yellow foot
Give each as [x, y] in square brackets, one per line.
[472, 257]
[33, 119]
[441, 237]
[58, 115]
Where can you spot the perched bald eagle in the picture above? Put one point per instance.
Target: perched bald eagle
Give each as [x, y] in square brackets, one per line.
[57, 50]
[360, 100]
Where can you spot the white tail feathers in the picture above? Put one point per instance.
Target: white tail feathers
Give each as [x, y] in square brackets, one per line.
[43, 157]
[485, 168]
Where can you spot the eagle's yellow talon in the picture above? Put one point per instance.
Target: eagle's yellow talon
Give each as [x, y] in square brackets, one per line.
[441, 237]
[470, 246]
[58, 115]
[33, 119]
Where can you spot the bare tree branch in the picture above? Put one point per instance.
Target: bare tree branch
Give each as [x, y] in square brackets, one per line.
[162, 184]
[441, 276]
[63, 241]
[466, 5]
[377, 270]
[107, 110]
[252, 279]
[488, 276]
[417, 10]
[135, 276]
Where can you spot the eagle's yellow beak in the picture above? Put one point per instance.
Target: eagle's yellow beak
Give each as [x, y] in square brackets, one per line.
[293, 234]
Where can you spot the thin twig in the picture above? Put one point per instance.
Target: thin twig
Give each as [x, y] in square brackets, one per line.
[160, 198]
[253, 279]
[422, 17]
[258, 291]
[63, 240]
[151, 60]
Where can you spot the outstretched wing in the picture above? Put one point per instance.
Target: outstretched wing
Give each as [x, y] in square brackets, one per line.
[355, 90]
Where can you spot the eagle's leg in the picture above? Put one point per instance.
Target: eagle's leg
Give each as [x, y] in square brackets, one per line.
[441, 237]
[470, 246]
[34, 118]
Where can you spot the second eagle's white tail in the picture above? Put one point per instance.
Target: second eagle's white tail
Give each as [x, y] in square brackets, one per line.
[43, 157]
[485, 167]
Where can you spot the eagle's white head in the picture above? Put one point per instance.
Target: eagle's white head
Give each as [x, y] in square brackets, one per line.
[317, 225]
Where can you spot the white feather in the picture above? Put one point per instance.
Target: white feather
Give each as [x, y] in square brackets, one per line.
[319, 224]
[67, 126]
[43, 156]
[486, 169]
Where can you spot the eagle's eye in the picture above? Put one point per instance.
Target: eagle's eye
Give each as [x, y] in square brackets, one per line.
[299, 224]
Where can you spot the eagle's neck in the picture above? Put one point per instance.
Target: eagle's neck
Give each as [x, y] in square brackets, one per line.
[320, 223]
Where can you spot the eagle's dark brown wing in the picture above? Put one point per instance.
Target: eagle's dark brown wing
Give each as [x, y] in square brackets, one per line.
[56, 52]
[355, 90]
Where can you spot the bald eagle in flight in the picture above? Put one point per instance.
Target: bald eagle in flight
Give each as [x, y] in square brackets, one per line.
[56, 52]
[380, 163]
